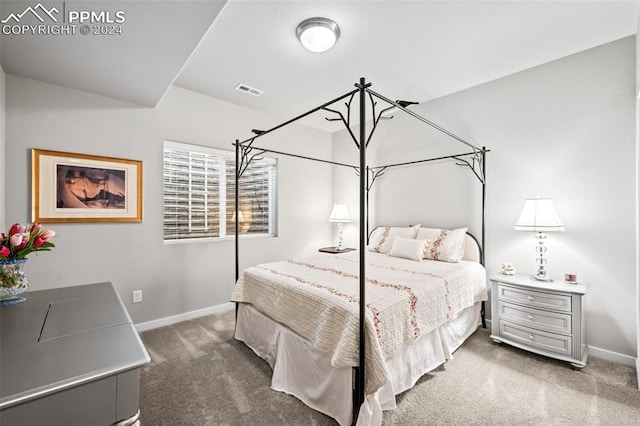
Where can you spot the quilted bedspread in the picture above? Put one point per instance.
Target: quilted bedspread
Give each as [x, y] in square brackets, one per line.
[318, 299]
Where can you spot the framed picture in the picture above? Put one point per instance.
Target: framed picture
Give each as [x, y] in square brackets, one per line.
[70, 187]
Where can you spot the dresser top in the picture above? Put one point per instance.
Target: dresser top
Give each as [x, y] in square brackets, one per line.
[64, 337]
[528, 282]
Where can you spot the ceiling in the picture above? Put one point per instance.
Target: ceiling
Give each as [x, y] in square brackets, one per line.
[138, 65]
[413, 50]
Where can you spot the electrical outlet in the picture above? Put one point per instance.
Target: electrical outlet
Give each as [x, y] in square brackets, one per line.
[137, 296]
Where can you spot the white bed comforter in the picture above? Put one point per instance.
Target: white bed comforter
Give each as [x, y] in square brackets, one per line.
[318, 299]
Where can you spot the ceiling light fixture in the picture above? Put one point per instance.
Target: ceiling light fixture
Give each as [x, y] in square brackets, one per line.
[318, 34]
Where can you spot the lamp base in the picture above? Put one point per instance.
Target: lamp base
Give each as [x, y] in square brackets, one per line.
[340, 245]
[544, 278]
[540, 260]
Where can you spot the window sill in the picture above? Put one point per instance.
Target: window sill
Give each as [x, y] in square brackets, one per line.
[228, 238]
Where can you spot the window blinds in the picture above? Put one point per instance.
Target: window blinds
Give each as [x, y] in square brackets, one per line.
[199, 194]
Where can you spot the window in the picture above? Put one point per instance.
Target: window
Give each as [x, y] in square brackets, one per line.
[199, 194]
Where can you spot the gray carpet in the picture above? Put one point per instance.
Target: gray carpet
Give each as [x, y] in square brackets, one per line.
[199, 375]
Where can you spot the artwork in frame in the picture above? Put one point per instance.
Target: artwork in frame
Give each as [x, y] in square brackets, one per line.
[69, 187]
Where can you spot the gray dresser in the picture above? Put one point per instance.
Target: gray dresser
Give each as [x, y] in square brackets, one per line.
[542, 317]
[69, 356]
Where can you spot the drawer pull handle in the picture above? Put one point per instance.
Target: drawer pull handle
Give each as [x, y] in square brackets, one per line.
[531, 337]
[531, 317]
[530, 298]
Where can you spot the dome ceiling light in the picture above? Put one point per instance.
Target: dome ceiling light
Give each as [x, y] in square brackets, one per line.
[318, 34]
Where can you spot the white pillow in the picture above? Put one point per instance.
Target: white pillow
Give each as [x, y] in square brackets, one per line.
[382, 238]
[408, 248]
[443, 244]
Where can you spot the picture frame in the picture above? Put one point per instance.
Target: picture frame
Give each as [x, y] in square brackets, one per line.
[73, 188]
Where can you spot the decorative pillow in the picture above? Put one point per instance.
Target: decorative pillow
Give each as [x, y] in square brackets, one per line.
[382, 238]
[443, 244]
[408, 248]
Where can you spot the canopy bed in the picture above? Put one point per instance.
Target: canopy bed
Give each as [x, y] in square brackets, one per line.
[306, 315]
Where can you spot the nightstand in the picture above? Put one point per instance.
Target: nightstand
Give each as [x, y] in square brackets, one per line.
[546, 318]
[334, 250]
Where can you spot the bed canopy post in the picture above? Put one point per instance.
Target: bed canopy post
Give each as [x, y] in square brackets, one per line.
[237, 215]
[360, 388]
[368, 188]
[484, 196]
[236, 205]
[484, 248]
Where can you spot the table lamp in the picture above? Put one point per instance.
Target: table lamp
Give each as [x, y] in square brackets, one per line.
[539, 216]
[340, 215]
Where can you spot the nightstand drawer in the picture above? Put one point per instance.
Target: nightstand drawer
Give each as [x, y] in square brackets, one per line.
[548, 342]
[530, 317]
[536, 299]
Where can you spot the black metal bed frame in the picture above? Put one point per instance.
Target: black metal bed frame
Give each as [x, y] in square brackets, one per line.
[474, 160]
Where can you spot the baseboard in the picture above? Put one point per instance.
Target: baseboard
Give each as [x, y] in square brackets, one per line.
[612, 356]
[488, 321]
[161, 322]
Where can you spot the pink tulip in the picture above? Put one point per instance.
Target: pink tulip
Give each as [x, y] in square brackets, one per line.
[48, 234]
[15, 229]
[38, 242]
[4, 251]
[36, 227]
[15, 240]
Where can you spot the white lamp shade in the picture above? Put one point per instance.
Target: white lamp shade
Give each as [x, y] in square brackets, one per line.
[538, 215]
[339, 213]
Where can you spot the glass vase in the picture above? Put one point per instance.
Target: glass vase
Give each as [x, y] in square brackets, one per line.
[13, 281]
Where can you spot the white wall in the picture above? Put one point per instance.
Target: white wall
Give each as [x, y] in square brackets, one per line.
[638, 224]
[2, 149]
[638, 196]
[175, 278]
[565, 130]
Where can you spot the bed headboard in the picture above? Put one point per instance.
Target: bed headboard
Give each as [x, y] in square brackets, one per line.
[472, 250]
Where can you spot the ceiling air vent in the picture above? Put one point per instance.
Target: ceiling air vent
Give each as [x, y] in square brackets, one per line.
[248, 89]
